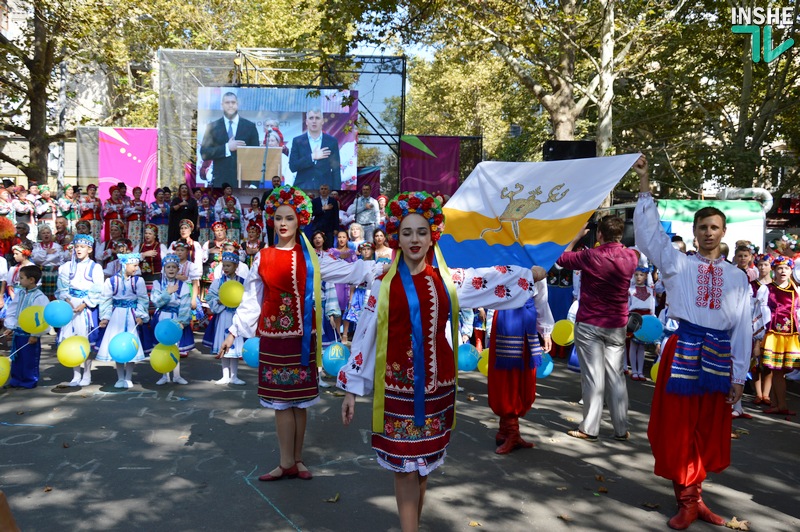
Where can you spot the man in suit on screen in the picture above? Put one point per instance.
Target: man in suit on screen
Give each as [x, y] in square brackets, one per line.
[226, 135]
[315, 156]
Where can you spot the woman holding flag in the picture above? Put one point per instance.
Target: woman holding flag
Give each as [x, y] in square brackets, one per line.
[282, 305]
[402, 347]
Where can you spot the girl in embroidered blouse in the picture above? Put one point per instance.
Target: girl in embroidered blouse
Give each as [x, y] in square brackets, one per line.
[280, 307]
[641, 300]
[383, 253]
[781, 345]
[401, 347]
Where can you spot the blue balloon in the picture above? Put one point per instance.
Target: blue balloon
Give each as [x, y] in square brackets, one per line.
[334, 358]
[574, 363]
[650, 331]
[468, 356]
[168, 332]
[58, 313]
[124, 347]
[546, 368]
[250, 352]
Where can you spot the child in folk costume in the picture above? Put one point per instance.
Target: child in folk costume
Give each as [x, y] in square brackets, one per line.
[123, 308]
[21, 253]
[188, 272]
[91, 209]
[279, 306]
[28, 347]
[762, 377]
[402, 350]
[3, 280]
[136, 216]
[172, 299]
[48, 256]
[641, 300]
[253, 244]
[781, 351]
[212, 256]
[158, 215]
[195, 249]
[205, 219]
[232, 247]
[223, 318]
[360, 293]
[121, 247]
[80, 283]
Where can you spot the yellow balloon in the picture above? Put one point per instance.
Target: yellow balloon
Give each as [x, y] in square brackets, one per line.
[654, 371]
[5, 370]
[563, 332]
[164, 358]
[230, 293]
[485, 354]
[483, 366]
[31, 320]
[73, 351]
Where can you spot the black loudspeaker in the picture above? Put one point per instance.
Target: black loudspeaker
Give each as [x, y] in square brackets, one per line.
[561, 150]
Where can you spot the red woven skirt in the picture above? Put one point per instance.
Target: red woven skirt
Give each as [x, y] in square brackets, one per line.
[281, 377]
[405, 447]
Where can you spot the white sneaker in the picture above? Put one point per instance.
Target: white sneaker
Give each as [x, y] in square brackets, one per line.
[237, 381]
[75, 382]
[86, 380]
[793, 376]
[120, 384]
[223, 380]
[128, 384]
[323, 384]
[180, 380]
[163, 380]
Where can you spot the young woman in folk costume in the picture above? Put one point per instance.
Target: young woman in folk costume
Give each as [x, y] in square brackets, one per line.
[172, 299]
[345, 252]
[282, 306]
[189, 272]
[253, 244]
[123, 308]
[91, 209]
[402, 349]
[255, 214]
[206, 218]
[136, 216]
[383, 253]
[113, 209]
[46, 209]
[232, 216]
[104, 251]
[69, 207]
[80, 283]
[158, 215]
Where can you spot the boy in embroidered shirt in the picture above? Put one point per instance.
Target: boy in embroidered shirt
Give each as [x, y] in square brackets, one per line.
[28, 348]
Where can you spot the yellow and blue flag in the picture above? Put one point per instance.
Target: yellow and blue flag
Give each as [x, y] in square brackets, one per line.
[525, 213]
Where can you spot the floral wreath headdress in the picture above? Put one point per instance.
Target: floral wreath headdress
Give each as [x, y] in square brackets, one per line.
[777, 261]
[292, 197]
[407, 203]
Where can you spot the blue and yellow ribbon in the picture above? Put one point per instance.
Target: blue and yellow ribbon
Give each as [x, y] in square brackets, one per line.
[313, 298]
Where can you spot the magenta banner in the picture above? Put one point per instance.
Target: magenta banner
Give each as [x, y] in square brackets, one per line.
[129, 156]
[429, 163]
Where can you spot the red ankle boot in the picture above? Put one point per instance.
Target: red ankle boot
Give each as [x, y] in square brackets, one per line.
[703, 513]
[513, 439]
[687, 506]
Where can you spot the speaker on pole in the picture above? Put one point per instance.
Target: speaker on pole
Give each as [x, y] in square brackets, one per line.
[561, 150]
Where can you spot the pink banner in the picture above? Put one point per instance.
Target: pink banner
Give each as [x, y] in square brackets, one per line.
[129, 156]
[429, 163]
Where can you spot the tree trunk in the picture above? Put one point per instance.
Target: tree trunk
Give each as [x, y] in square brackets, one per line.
[40, 68]
[605, 96]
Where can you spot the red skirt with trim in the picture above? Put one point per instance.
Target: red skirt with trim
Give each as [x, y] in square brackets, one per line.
[281, 377]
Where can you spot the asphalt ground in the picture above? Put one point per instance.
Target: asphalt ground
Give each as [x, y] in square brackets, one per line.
[187, 458]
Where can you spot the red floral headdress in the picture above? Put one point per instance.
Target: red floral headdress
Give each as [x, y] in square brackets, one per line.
[253, 225]
[292, 197]
[407, 203]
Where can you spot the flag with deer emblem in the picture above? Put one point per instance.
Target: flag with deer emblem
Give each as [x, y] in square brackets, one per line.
[525, 213]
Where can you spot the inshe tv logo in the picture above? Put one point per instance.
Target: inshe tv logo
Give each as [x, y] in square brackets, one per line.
[758, 22]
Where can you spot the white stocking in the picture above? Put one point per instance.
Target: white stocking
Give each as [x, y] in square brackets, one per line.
[638, 358]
